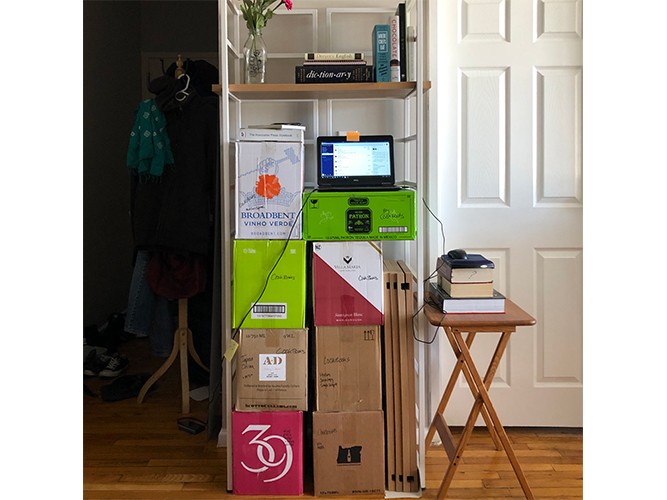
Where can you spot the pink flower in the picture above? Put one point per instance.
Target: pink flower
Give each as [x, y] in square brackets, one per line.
[288, 4]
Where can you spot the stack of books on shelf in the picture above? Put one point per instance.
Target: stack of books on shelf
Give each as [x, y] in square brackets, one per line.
[465, 285]
[334, 67]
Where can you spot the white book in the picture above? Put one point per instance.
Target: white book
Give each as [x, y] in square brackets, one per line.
[280, 126]
[270, 135]
[394, 49]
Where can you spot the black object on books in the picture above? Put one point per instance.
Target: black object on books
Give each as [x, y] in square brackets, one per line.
[402, 40]
[468, 305]
[457, 253]
[333, 74]
[470, 260]
[464, 274]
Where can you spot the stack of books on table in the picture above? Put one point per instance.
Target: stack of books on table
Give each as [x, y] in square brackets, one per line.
[334, 67]
[466, 285]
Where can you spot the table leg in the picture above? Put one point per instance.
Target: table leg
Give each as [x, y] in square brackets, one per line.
[464, 361]
[449, 388]
[484, 400]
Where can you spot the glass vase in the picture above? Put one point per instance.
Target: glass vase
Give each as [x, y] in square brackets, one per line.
[254, 56]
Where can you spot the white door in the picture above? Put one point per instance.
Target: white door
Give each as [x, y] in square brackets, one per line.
[509, 185]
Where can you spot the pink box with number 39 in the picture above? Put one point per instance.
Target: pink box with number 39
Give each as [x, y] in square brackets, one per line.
[267, 453]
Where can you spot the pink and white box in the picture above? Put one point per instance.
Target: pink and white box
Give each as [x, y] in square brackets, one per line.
[267, 453]
[348, 283]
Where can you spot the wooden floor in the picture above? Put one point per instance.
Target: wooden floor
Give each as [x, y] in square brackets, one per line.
[133, 451]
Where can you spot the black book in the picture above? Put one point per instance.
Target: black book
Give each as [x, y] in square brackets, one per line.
[403, 40]
[333, 74]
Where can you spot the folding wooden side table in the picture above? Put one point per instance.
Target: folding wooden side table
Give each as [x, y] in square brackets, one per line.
[455, 325]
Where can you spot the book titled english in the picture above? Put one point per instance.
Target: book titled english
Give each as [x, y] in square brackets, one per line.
[333, 74]
[334, 56]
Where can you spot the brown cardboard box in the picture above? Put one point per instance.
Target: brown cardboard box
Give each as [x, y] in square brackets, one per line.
[348, 453]
[348, 368]
[272, 370]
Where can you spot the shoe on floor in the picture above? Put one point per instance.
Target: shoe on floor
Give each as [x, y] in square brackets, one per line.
[95, 362]
[125, 387]
[116, 365]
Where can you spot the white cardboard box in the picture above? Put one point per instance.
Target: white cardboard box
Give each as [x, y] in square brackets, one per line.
[269, 188]
[348, 283]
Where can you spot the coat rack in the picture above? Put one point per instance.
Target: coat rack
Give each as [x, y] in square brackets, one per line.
[183, 345]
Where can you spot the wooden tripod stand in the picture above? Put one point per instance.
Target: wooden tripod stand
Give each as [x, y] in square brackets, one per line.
[182, 345]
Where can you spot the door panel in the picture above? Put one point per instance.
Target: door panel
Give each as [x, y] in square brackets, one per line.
[509, 84]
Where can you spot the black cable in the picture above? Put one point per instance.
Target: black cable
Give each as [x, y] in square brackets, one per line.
[432, 303]
[434, 273]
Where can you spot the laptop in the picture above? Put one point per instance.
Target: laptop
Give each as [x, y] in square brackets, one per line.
[363, 165]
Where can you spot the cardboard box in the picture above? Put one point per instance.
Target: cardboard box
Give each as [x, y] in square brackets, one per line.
[348, 286]
[267, 453]
[272, 370]
[378, 215]
[283, 301]
[348, 453]
[269, 188]
[348, 368]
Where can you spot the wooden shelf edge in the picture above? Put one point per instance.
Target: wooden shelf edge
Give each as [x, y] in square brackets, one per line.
[268, 91]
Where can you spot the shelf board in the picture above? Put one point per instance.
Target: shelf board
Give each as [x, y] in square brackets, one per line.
[276, 91]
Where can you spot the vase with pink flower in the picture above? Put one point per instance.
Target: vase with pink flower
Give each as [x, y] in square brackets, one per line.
[256, 14]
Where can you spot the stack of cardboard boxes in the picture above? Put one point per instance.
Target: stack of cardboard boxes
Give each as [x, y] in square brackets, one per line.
[269, 311]
[348, 421]
[277, 358]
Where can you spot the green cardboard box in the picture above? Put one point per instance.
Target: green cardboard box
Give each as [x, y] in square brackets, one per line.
[283, 303]
[359, 215]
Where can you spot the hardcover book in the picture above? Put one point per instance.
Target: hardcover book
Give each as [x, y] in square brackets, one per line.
[333, 56]
[280, 126]
[394, 49]
[381, 53]
[468, 305]
[412, 53]
[349, 62]
[460, 290]
[402, 40]
[333, 74]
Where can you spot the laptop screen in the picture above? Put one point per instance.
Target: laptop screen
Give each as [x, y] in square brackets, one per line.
[367, 163]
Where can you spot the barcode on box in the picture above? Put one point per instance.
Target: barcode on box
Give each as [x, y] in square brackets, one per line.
[269, 311]
[393, 229]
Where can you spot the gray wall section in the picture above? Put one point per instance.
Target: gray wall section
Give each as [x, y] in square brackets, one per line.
[114, 35]
[111, 92]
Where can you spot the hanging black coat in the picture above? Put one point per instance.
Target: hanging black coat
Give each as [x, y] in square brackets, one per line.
[175, 212]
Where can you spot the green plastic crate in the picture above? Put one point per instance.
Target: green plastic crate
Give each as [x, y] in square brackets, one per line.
[359, 215]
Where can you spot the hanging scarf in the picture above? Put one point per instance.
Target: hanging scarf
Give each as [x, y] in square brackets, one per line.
[149, 150]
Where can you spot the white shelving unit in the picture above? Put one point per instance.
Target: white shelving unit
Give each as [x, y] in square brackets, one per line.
[325, 109]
